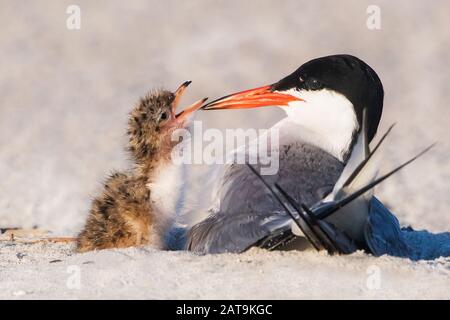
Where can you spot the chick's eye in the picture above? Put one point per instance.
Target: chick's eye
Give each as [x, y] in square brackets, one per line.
[163, 116]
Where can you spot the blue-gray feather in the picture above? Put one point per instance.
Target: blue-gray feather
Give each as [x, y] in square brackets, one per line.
[385, 236]
[248, 212]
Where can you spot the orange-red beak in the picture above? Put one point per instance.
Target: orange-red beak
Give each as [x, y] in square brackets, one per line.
[183, 115]
[253, 98]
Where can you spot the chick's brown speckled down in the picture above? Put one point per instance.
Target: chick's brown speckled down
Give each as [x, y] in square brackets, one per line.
[120, 217]
[124, 214]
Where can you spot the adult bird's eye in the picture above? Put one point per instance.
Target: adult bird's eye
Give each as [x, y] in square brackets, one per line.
[313, 84]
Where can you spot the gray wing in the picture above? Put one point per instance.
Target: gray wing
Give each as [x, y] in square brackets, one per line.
[248, 212]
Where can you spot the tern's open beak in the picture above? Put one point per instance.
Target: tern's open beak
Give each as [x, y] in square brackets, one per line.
[183, 115]
[253, 98]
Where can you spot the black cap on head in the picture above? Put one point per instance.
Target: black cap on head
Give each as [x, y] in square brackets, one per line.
[345, 74]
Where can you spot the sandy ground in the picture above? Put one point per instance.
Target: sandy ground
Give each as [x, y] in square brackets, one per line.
[53, 271]
[64, 97]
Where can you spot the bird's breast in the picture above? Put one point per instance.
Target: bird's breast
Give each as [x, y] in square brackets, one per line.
[165, 189]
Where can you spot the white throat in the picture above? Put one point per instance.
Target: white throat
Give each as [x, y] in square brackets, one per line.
[326, 119]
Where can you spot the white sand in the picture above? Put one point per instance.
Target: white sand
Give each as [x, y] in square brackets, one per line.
[64, 96]
[147, 273]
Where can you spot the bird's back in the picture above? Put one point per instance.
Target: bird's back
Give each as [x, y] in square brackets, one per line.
[246, 212]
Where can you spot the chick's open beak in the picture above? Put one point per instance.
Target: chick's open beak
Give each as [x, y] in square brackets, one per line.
[183, 115]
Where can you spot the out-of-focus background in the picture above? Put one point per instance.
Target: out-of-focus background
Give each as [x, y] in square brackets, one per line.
[65, 94]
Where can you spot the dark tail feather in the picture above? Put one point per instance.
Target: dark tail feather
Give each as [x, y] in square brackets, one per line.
[304, 225]
[364, 163]
[307, 215]
[309, 222]
[363, 190]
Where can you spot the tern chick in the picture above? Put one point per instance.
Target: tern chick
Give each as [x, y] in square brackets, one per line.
[126, 213]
